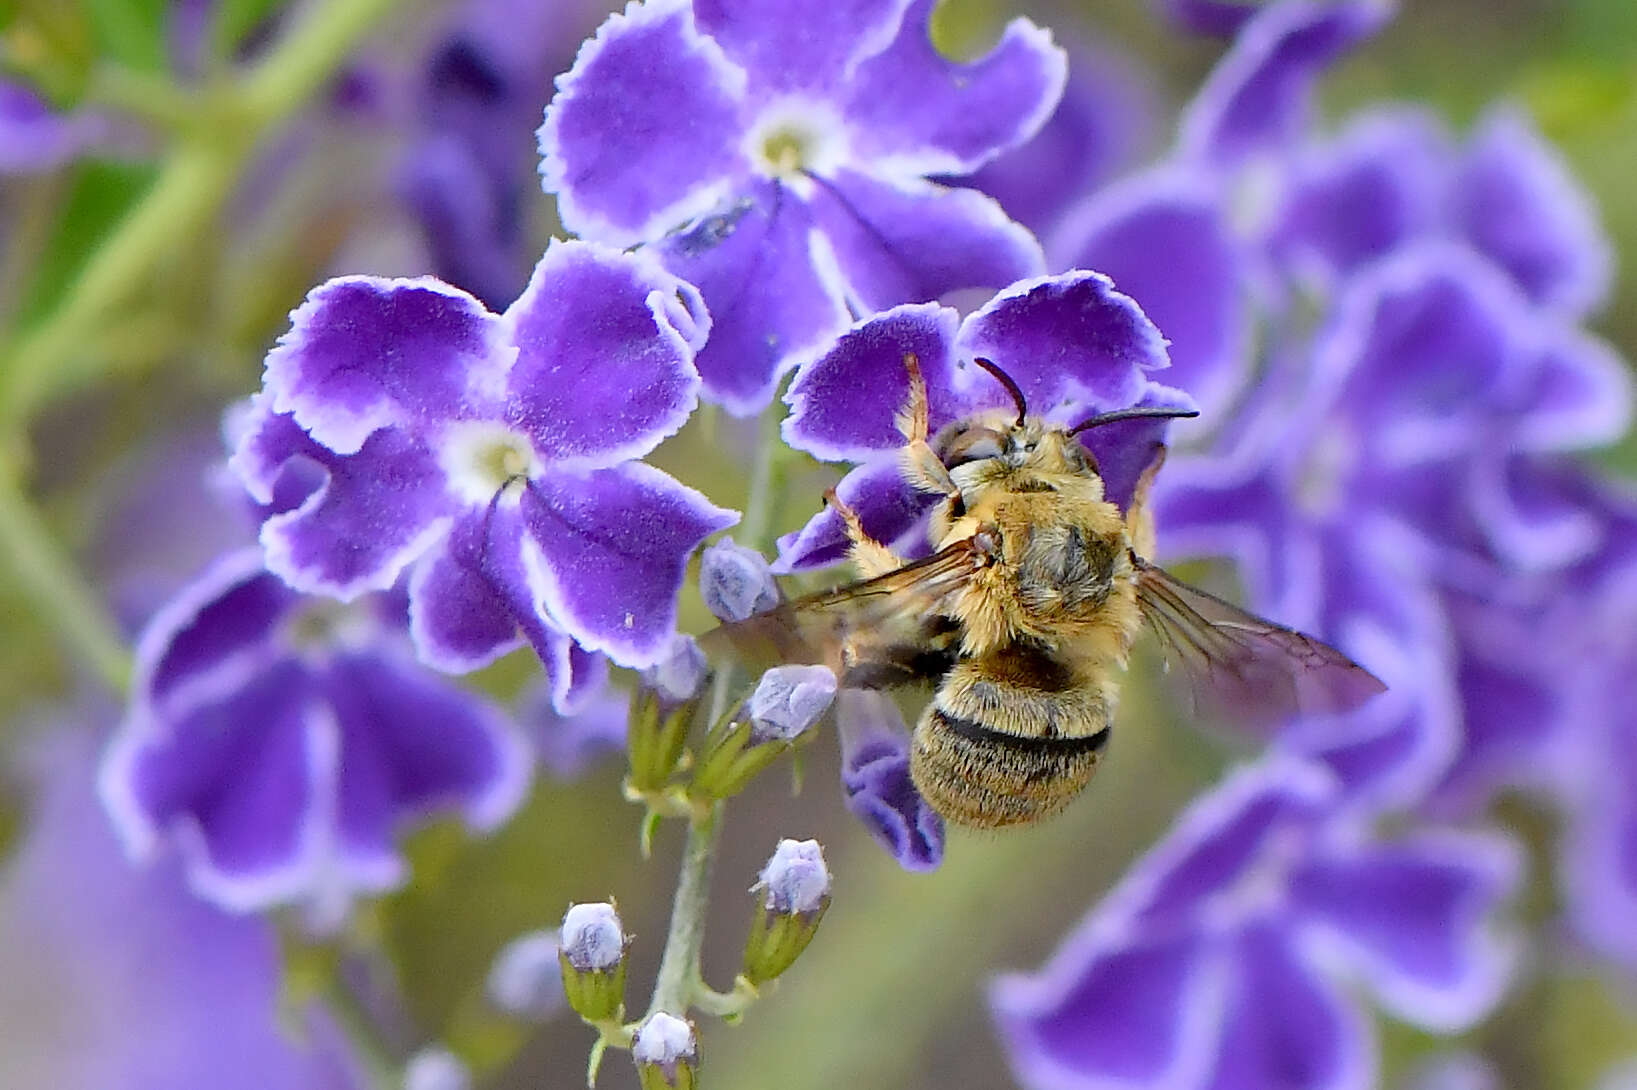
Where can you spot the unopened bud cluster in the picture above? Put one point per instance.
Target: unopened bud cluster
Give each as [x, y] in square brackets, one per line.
[793, 894]
[592, 956]
[786, 704]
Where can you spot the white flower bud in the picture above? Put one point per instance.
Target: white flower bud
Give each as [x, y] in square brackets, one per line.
[795, 879]
[592, 939]
[789, 700]
[736, 582]
[666, 1052]
[679, 674]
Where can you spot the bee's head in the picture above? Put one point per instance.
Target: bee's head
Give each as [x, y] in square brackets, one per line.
[1025, 442]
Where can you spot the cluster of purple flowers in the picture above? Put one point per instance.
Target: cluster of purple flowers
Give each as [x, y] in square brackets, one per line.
[1382, 327]
[1402, 477]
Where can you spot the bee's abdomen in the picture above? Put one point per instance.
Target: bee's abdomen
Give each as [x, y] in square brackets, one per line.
[1003, 745]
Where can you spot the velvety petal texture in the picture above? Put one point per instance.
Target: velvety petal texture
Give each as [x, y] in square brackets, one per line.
[279, 743]
[476, 447]
[779, 157]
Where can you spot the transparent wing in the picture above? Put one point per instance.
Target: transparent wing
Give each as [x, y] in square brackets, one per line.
[888, 630]
[878, 632]
[1243, 669]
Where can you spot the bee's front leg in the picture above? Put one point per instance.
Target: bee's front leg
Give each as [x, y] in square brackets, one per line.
[1139, 521]
[920, 464]
[867, 554]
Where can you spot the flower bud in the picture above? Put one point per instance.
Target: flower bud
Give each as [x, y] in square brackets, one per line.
[787, 702]
[525, 980]
[654, 738]
[736, 582]
[436, 1069]
[592, 957]
[795, 891]
[678, 676]
[666, 1053]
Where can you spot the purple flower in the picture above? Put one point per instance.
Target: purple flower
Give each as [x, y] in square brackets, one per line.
[492, 453]
[777, 156]
[121, 976]
[1220, 18]
[1101, 124]
[1074, 345]
[280, 743]
[875, 776]
[1222, 959]
[467, 174]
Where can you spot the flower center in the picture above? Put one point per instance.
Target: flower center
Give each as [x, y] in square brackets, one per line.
[1325, 482]
[482, 458]
[318, 627]
[794, 137]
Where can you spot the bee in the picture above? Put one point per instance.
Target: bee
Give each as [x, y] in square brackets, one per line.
[1025, 613]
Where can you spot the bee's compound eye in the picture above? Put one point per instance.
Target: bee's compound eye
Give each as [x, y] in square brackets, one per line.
[973, 446]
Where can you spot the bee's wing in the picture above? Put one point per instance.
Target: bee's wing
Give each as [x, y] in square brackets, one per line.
[1244, 669]
[882, 631]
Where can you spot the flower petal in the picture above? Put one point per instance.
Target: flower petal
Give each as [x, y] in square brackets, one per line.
[1412, 918]
[1517, 201]
[913, 241]
[412, 743]
[1424, 349]
[845, 404]
[875, 776]
[1287, 1026]
[1101, 124]
[605, 343]
[798, 45]
[609, 548]
[235, 781]
[1213, 854]
[472, 599]
[567, 744]
[1258, 95]
[771, 302]
[1383, 181]
[365, 353]
[215, 633]
[644, 131]
[1220, 18]
[892, 510]
[1072, 342]
[1164, 239]
[379, 509]
[914, 111]
[1140, 1013]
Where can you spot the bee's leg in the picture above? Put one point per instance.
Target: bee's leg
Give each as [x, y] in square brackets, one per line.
[920, 464]
[867, 554]
[1139, 521]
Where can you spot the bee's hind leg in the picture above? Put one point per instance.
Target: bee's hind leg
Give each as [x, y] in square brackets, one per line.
[919, 463]
[870, 556]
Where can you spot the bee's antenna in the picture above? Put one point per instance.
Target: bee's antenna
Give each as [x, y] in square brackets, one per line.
[1140, 413]
[1007, 381]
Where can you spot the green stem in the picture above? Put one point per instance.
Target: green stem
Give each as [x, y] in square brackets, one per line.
[191, 187]
[679, 964]
[763, 479]
[45, 574]
[369, 1045]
